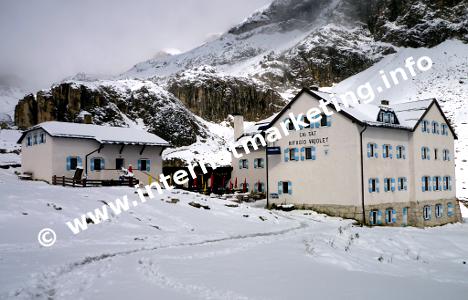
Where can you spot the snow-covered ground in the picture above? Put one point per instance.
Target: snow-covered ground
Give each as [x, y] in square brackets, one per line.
[8, 139]
[163, 250]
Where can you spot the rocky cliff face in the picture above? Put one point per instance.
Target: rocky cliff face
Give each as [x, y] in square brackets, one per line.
[213, 96]
[115, 103]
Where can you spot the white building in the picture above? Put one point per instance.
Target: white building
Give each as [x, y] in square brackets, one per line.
[58, 148]
[380, 164]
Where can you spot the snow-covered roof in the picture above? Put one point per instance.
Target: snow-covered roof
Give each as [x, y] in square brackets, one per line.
[407, 113]
[255, 128]
[102, 134]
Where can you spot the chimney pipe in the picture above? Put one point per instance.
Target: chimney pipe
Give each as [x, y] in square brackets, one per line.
[238, 126]
[384, 102]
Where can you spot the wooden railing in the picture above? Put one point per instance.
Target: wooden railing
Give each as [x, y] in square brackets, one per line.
[67, 181]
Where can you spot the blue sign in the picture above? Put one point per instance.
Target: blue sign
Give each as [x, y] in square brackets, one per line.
[273, 150]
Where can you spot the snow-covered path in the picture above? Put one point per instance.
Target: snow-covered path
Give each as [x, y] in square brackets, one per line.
[162, 250]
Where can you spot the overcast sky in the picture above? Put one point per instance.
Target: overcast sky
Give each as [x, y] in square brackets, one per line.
[43, 41]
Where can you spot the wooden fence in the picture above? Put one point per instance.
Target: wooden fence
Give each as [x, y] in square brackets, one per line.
[67, 181]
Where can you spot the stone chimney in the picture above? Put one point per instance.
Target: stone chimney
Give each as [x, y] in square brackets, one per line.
[238, 126]
[384, 102]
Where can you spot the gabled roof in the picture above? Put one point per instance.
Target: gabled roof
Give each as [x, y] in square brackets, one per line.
[102, 134]
[409, 114]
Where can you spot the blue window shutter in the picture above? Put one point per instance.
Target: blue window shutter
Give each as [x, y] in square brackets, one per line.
[370, 185]
[404, 152]
[449, 209]
[422, 153]
[430, 212]
[371, 219]
[240, 163]
[317, 124]
[92, 164]
[434, 183]
[368, 150]
[68, 163]
[385, 184]
[286, 154]
[450, 183]
[247, 164]
[397, 152]
[280, 187]
[79, 162]
[405, 181]
[394, 216]
[314, 153]
[139, 164]
[399, 183]
[302, 153]
[379, 217]
[428, 153]
[445, 183]
[102, 163]
[376, 155]
[289, 187]
[429, 180]
[148, 163]
[393, 184]
[296, 154]
[384, 153]
[377, 188]
[255, 163]
[328, 121]
[390, 150]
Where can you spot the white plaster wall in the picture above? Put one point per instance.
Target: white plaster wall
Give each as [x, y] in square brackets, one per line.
[37, 159]
[432, 167]
[330, 179]
[253, 175]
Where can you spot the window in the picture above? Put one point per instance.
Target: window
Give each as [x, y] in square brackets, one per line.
[290, 125]
[427, 212]
[400, 152]
[402, 186]
[425, 153]
[426, 183]
[243, 164]
[244, 186]
[424, 126]
[35, 139]
[259, 187]
[119, 163]
[386, 151]
[29, 141]
[450, 211]
[435, 127]
[259, 163]
[73, 162]
[42, 138]
[446, 155]
[307, 122]
[323, 121]
[444, 129]
[387, 117]
[373, 185]
[436, 153]
[97, 164]
[310, 153]
[375, 217]
[284, 187]
[437, 182]
[390, 216]
[389, 184]
[447, 185]
[372, 150]
[439, 210]
[144, 165]
[292, 153]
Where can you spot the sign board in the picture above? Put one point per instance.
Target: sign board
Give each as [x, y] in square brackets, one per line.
[273, 150]
[274, 196]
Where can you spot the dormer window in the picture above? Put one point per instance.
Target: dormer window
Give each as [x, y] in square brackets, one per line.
[387, 116]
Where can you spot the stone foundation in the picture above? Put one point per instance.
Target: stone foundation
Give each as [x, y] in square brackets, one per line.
[415, 212]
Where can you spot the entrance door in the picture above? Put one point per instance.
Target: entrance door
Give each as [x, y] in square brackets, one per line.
[405, 216]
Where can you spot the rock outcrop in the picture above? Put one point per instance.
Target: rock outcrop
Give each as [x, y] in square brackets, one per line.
[114, 103]
[213, 96]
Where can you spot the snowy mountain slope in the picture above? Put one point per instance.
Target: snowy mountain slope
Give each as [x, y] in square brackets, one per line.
[447, 81]
[175, 251]
[8, 99]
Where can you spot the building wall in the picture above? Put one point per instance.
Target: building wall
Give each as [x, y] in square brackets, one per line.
[251, 174]
[55, 151]
[333, 178]
[37, 159]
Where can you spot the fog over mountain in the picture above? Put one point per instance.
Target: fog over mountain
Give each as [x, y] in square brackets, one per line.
[44, 41]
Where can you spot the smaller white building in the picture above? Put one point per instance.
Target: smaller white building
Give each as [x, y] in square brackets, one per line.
[59, 148]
